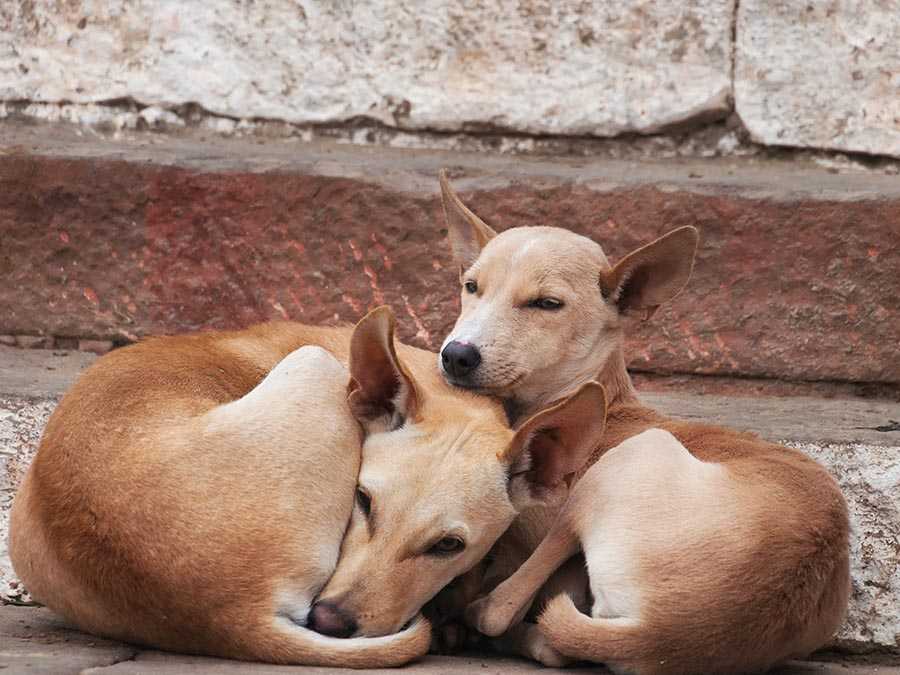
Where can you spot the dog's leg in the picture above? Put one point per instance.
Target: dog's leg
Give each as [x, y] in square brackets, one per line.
[522, 639]
[509, 602]
[446, 609]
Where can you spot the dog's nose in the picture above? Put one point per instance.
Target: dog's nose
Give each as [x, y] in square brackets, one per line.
[460, 358]
[327, 618]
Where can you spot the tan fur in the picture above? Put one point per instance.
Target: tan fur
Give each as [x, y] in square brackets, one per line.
[192, 492]
[186, 497]
[687, 589]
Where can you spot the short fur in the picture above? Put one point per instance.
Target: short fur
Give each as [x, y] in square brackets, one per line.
[710, 603]
[191, 493]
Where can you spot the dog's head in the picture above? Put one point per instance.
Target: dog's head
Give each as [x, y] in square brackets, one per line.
[442, 477]
[541, 306]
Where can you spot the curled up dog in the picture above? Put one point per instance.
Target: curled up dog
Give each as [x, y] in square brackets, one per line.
[707, 549]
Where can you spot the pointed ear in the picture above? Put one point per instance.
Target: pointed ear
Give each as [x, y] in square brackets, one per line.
[551, 446]
[381, 393]
[652, 274]
[467, 232]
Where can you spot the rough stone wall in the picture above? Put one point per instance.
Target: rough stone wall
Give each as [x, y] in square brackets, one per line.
[818, 74]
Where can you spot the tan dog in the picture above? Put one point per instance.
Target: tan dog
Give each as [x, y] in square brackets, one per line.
[436, 494]
[179, 502]
[191, 493]
[708, 550]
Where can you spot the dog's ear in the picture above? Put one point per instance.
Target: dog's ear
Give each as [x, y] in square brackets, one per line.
[467, 232]
[382, 394]
[552, 445]
[653, 274]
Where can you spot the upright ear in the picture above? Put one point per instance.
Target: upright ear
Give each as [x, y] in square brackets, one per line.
[551, 446]
[652, 274]
[468, 233]
[381, 390]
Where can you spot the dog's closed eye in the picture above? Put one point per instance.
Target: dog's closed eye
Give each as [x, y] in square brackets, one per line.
[447, 546]
[550, 304]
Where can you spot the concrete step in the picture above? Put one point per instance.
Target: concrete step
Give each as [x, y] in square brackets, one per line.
[113, 238]
[35, 641]
[857, 439]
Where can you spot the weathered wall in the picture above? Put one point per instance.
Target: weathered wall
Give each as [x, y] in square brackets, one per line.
[540, 67]
[819, 74]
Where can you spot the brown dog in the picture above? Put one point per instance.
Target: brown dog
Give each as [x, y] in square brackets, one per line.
[708, 550]
[191, 492]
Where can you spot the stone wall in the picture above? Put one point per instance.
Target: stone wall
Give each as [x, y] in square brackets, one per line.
[810, 74]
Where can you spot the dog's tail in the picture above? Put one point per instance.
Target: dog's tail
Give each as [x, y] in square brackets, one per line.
[294, 644]
[582, 637]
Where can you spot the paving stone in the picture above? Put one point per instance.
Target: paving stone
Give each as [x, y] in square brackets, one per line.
[33, 341]
[159, 663]
[35, 641]
[95, 346]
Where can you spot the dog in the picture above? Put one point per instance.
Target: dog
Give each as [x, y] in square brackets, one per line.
[191, 493]
[708, 550]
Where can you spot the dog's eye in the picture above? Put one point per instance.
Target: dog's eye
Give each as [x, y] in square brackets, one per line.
[546, 303]
[470, 286]
[447, 546]
[364, 501]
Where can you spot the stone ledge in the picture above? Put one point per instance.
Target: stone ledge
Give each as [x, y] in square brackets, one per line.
[114, 239]
[840, 433]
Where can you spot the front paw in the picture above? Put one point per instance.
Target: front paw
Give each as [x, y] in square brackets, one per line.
[538, 648]
[489, 617]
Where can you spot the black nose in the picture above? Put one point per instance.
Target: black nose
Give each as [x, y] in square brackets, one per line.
[460, 358]
[327, 618]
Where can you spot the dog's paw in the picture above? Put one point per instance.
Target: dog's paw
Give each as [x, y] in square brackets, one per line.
[489, 617]
[539, 649]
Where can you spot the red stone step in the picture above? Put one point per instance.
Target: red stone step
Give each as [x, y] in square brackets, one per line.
[798, 272]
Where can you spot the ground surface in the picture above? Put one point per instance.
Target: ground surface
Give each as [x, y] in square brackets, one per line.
[33, 640]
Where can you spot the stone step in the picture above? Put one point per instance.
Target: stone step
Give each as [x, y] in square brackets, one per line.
[858, 439]
[35, 641]
[114, 238]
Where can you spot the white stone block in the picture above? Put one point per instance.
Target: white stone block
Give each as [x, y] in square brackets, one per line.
[536, 66]
[820, 74]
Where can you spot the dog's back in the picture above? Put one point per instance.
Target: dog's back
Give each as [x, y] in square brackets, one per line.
[542, 312]
[702, 566]
[200, 481]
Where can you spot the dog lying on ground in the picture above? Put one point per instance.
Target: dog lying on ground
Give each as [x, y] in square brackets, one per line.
[708, 550]
[178, 501]
[191, 493]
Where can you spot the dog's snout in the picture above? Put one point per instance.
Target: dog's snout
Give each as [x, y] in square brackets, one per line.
[328, 619]
[460, 358]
